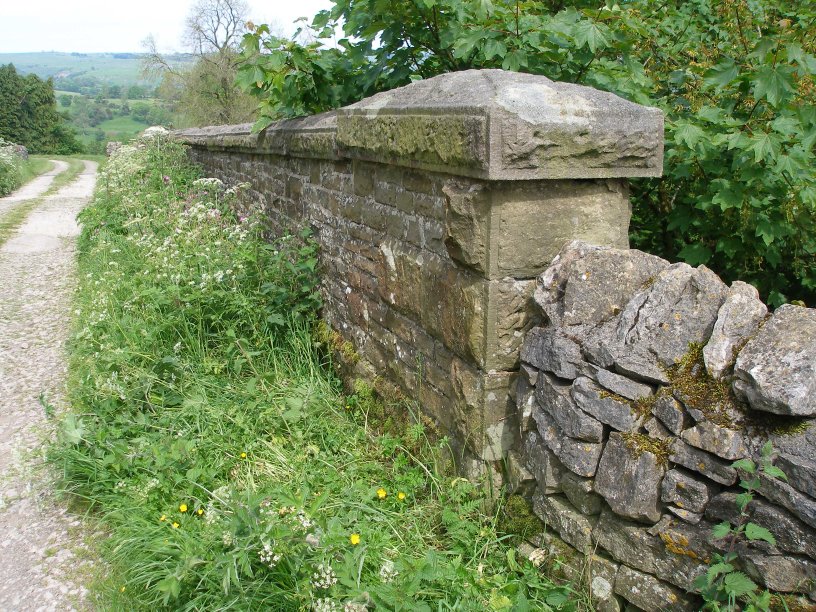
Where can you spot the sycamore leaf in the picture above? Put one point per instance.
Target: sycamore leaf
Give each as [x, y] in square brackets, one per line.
[722, 74]
[688, 133]
[754, 532]
[591, 34]
[774, 83]
[764, 146]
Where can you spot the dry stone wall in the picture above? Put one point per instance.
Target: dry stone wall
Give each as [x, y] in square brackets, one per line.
[436, 205]
[642, 387]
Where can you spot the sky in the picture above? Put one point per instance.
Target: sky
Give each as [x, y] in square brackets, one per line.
[95, 26]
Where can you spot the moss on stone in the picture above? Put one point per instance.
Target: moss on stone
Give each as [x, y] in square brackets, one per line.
[638, 443]
[700, 391]
[518, 520]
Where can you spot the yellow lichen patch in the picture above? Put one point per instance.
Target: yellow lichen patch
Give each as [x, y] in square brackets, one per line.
[678, 545]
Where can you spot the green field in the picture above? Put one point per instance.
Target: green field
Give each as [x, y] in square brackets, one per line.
[110, 68]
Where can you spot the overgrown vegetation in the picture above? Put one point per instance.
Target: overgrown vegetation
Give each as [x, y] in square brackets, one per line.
[209, 438]
[735, 79]
[16, 171]
[28, 114]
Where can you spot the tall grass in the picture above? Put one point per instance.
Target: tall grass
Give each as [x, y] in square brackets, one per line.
[210, 438]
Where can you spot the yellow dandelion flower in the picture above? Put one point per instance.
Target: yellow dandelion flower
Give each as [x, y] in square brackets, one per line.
[381, 493]
[401, 496]
[162, 518]
[200, 511]
[243, 455]
[122, 590]
[175, 525]
[183, 508]
[354, 539]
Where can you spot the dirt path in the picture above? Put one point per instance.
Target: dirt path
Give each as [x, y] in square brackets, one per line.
[34, 188]
[42, 556]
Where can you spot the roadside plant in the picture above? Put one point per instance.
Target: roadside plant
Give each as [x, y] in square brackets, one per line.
[723, 586]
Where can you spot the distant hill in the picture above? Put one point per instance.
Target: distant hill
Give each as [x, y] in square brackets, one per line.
[74, 70]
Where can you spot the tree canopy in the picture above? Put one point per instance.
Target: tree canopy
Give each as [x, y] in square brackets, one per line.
[735, 79]
[29, 116]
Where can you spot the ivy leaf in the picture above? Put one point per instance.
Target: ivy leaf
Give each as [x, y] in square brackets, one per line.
[591, 34]
[738, 584]
[754, 532]
[774, 83]
[722, 530]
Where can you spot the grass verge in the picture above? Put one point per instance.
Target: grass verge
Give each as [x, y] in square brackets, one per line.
[34, 167]
[13, 218]
[210, 438]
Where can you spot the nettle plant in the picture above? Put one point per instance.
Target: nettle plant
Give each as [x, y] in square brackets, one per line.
[723, 587]
[735, 79]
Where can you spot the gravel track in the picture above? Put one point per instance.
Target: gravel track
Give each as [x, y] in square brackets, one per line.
[34, 188]
[43, 557]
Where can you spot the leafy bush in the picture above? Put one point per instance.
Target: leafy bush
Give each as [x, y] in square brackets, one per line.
[210, 439]
[735, 80]
[11, 168]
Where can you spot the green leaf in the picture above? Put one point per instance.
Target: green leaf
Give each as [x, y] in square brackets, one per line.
[688, 133]
[767, 450]
[765, 146]
[722, 74]
[754, 532]
[774, 472]
[745, 465]
[493, 48]
[73, 429]
[591, 34]
[738, 584]
[722, 530]
[742, 500]
[695, 254]
[774, 83]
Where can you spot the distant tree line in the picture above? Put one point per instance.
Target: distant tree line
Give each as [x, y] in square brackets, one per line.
[29, 116]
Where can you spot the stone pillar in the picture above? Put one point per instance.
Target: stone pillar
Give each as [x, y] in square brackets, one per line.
[538, 163]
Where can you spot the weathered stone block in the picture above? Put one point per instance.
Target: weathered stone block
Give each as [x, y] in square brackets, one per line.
[629, 478]
[577, 456]
[671, 413]
[776, 371]
[581, 494]
[797, 456]
[738, 319]
[533, 221]
[519, 479]
[619, 385]
[685, 491]
[679, 308]
[555, 399]
[619, 415]
[557, 513]
[467, 217]
[543, 464]
[587, 284]
[720, 441]
[649, 593]
[552, 350]
[702, 462]
[786, 496]
[784, 574]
